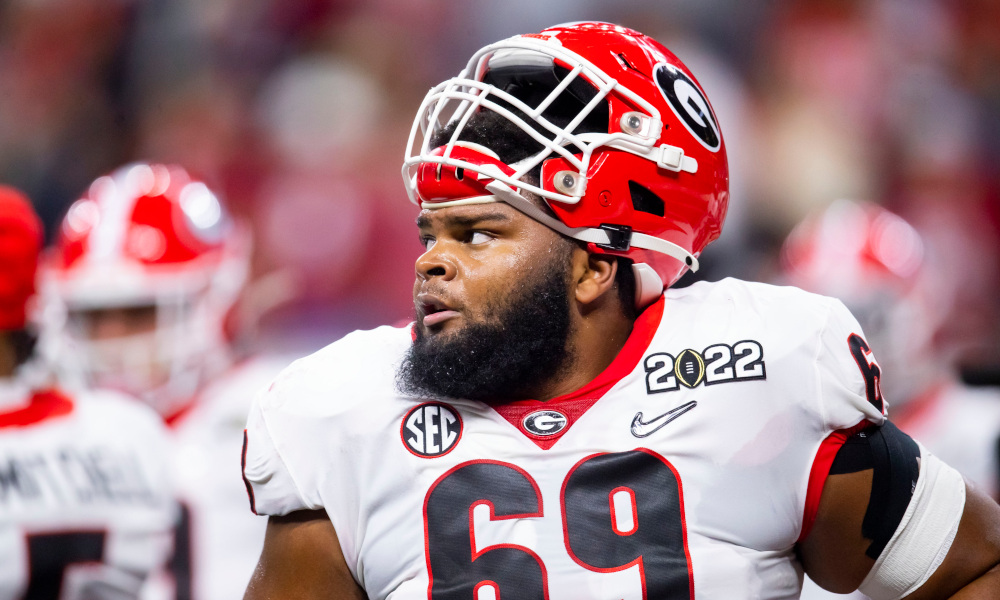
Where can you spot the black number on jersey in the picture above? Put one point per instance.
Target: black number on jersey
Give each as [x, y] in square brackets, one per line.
[870, 370]
[618, 510]
[624, 509]
[180, 563]
[51, 555]
[457, 569]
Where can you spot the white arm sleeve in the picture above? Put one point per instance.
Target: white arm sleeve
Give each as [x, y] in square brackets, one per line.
[924, 535]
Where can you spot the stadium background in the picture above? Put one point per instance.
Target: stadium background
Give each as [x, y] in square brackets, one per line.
[298, 111]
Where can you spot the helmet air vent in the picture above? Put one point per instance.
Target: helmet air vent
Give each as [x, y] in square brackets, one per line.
[644, 200]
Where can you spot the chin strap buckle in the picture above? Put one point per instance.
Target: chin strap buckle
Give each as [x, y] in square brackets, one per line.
[619, 237]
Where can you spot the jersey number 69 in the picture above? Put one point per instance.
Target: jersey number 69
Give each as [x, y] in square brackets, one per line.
[649, 532]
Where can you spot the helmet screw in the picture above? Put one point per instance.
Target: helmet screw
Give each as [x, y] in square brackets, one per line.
[605, 198]
[634, 123]
[570, 183]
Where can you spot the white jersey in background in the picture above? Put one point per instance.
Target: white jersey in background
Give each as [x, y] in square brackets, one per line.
[218, 540]
[702, 449]
[85, 502]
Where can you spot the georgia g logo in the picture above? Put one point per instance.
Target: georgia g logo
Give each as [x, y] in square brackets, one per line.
[431, 429]
[689, 104]
[545, 422]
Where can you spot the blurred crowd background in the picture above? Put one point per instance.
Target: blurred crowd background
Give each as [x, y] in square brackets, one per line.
[298, 112]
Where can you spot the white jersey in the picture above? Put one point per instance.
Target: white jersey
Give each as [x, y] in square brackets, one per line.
[85, 496]
[688, 469]
[219, 540]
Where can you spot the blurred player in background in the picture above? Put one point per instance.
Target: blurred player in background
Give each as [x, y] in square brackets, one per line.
[877, 264]
[85, 504]
[140, 296]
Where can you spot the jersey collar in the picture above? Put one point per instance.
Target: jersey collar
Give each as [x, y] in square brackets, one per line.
[574, 404]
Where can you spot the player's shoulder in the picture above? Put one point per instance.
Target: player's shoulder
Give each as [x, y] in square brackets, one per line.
[788, 323]
[111, 404]
[749, 294]
[233, 389]
[359, 367]
[103, 413]
[735, 298]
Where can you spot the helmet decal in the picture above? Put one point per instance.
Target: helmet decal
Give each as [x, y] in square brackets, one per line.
[689, 104]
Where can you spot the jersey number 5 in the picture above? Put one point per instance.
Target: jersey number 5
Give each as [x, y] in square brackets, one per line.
[51, 555]
[618, 510]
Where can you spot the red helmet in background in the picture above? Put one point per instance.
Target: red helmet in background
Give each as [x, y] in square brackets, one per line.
[20, 243]
[146, 237]
[631, 157]
[853, 250]
[874, 261]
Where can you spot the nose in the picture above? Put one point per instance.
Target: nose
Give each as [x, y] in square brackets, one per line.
[436, 262]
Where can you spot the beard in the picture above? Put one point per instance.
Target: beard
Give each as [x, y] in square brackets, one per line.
[524, 342]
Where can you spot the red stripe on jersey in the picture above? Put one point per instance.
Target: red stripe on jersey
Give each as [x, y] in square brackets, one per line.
[828, 450]
[574, 404]
[44, 405]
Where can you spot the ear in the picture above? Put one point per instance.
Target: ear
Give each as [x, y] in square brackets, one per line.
[594, 275]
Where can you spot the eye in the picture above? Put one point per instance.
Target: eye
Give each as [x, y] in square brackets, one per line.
[427, 243]
[478, 237]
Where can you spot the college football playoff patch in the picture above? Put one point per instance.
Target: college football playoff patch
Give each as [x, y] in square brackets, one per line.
[719, 363]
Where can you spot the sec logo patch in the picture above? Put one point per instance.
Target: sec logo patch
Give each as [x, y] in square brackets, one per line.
[431, 429]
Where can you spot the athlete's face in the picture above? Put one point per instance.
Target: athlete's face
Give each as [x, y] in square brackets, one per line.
[477, 255]
[492, 298]
[122, 348]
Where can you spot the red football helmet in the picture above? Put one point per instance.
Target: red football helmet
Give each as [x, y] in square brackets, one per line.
[853, 250]
[20, 242]
[873, 260]
[632, 159]
[148, 237]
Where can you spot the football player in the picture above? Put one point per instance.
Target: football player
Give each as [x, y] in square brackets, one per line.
[559, 422]
[146, 269]
[86, 509]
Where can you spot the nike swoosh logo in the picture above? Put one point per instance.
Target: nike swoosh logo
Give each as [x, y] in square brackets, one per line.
[641, 429]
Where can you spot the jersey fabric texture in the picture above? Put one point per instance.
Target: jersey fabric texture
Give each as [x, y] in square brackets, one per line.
[689, 468]
[85, 495]
[218, 541]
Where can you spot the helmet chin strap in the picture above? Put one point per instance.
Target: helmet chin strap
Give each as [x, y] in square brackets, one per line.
[649, 286]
